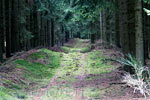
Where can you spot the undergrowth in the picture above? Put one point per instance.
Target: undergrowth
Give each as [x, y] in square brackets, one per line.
[139, 81]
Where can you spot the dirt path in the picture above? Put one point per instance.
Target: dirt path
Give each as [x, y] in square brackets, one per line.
[83, 76]
[43, 90]
[79, 60]
[79, 90]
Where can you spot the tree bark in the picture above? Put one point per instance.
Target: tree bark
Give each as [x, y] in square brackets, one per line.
[8, 27]
[124, 26]
[104, 26]
[1, 31]
[139, 32]
[52, 33]
[131, 26]
[117, 40]
[146, 26]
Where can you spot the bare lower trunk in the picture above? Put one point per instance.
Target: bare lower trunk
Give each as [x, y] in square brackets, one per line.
[139, 32]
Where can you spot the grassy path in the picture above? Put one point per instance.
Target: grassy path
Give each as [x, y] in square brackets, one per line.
[77, 73]
[76, 79]
[79, 91]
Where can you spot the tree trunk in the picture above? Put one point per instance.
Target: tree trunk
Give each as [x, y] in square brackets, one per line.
[123, 26]
[8, 27]
[1, 31]
[52, 33]
[131, 26]
[104, 25]
[117, 40]
[14, 26]
[101, 25]
[146, 26]
[139, 32]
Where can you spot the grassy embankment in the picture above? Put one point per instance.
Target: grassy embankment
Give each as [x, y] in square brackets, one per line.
[35, 72]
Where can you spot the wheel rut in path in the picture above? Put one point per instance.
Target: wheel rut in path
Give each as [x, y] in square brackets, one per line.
[79, 62]
[44, 90]
[79, 90]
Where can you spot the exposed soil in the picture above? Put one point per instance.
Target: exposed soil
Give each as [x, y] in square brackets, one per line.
[79, 90]
[43, 90]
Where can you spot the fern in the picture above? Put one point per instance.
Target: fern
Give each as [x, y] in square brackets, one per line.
[139, 80]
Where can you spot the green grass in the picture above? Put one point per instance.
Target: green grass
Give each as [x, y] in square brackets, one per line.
[96, 93]
[35, 73]
[70, 50]
[71, 66]
[79, 43]
[95, 64]
[36, 70]
[66, 49]
[55, 58]
[38, 55]
[87, 48]
[93, 92]
[59, 93]
[9, 94]
[77, 48]
[12, 85]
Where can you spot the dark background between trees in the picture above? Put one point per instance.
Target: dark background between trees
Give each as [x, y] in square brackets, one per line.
[26, 24]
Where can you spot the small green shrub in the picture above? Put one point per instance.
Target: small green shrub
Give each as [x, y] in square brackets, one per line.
[139, 69]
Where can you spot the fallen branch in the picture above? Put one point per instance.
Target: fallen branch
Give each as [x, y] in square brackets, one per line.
[115, 83]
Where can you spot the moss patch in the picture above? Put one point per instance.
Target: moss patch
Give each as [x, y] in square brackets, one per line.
[95, 64]
[71, 67]
[34, 71]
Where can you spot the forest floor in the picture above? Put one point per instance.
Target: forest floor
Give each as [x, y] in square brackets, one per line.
[77, 71]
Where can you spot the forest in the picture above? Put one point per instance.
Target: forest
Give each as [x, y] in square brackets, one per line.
[74, 49]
